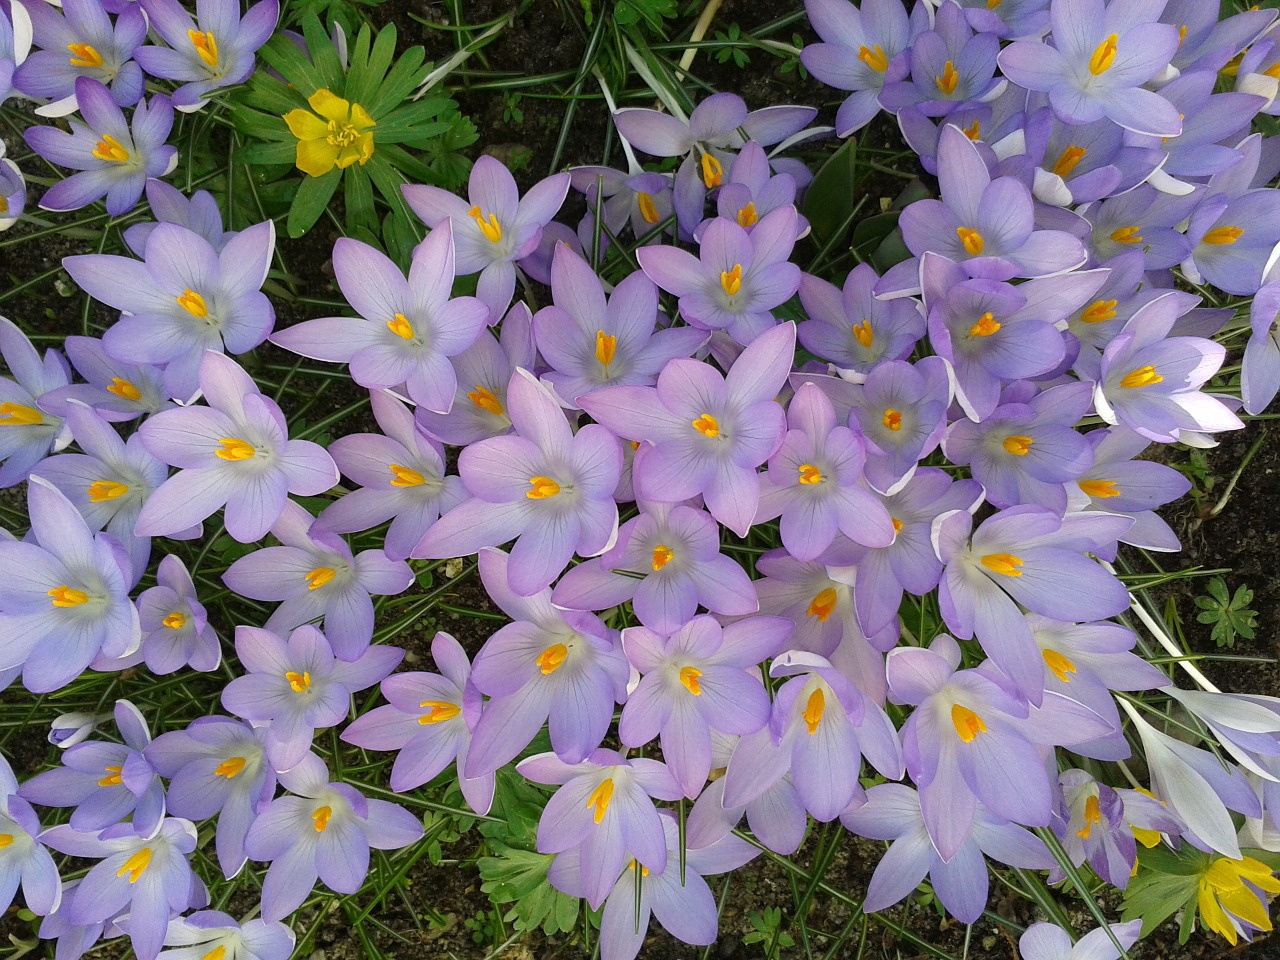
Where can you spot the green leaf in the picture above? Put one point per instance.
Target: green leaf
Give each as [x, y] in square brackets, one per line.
[520, 876]
[324, 55]
[359, 199]
[293, 64]
[357, 87]
[400, 82]
[267, 153]
[830, 197]
[310, 201]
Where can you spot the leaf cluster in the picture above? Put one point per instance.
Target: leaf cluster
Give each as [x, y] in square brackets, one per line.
[1229, 614]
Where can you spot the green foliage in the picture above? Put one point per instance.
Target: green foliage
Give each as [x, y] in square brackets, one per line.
[511, 112]
[766, 928]
[649, 13]
[732, 51]
[1230, 615]
[1167, 881]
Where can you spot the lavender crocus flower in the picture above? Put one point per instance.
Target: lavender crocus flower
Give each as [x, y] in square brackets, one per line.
[15, 44]
[298, 686]
[175, 627]
[104, 781]
[215, 50]
[429, 719]
[68, 729]
[23, 859]
[548, 487]
[73, 940]
[316, 576]
[853, 329]
[777, 817]
[709, 433]
[69, 583]
[199, 214]
[753, 191]
[1260, 373]
[27, 432]
[1210, 121]
[1103, 53]
[736, 280]
[639, 198]
[99, 50]
[117, 391]
[1046, 941]
[1143, 219]
[565, 664]
[235, 452]
[206, 932]
[409, 328]
[1233, 240]
[819, 606]
[323, 831]
[13, 189]
[494, 228]
[116, 158]
[1076, 163]
[183, 299]
[401, 478]
[695, 680]
[604, 808]
[951, 65]
[1008, 19]
[217, 766]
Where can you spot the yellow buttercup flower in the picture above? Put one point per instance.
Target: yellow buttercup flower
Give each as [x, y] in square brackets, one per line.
[1223, 894]
[339, 136]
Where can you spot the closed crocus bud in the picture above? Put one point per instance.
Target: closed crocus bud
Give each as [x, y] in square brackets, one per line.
[70, 728]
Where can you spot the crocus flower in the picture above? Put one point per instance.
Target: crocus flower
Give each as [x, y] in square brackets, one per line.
[183, 299]
[1210, 121]
[334, 133]
[23, 859]
[640, 198]
[409, 329]
[853, 329]
[709, 433]
[199, 213]
[13, 189]
[216, 50]
[1102, 56]
[1009, 19]
[175, 627]
[804, 593]
[99, 50]
[1232, 240]
[604, 808]
[1075, 163]
[316, 576]
[233, 452]
[217, 766]
[298, 685]
[73, 940]
[117, 158]
[950, 65]
[1246, 726]
[27, 432]
[546, 486]
[150, 877]
[400, 473]
[15, 44]
[753, 191]
[117, 391]
[1046, 941]
[68, 729]
[494, 228]
[565, 664]
[777, 817]
[695, 680]
[736, 280]
[68, 583]
[1207, 42]
[1143, 219]
[1260, 373]
[199, 934]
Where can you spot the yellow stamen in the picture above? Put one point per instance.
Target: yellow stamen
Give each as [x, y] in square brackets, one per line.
[217, 953]
[948, 80]
[986, 326]
[1068, 159]
[110, 149]
[599, 799]
[321, 818]
[551, 659]
[1017, 445]
[874, 58]
[438, 711]
[542, 488]
[606, 347]
[992, 4]
[1059, 664]
[403, 476]
[400, 326]
[101, 490]
[486, 400]
[113, 778]
[822, 605]
[194, 304]
[175, 620]
[1222, 235]
[707, 425]
[136, 865]
[892, 419]
[1104, 56]
[863, 333]
[972, 240]
[83, 55]
[233, 448]
[813, 710]
[1099, 311]
[1182, 34]
[648, 209]
[809, 474]
[662, 555]
[123, 389]
[1100, 489]
[1092, 815]
[1141, 377]
[230, 767]
[897, 525]
[1005, 564]
[299, 682]
[689, 677]
[65, 596]
[974, 130]
[712, 171]
[6, 839]
[491, 229]
[1272, 71]
[1127, 234]
[967, 723]
[318, 577]
[19, 415]
[206, 46]
[747, 216]
[644, 871]
[731, 280]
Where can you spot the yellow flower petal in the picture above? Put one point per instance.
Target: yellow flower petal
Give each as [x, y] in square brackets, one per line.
[360, 118]
[306, 125]
[329, 106]
[316, 157]
[1212, 915]
[1244, 903]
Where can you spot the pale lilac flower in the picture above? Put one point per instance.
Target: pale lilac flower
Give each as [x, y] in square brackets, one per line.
[641, 199]
[1143, 219]
[1233, 240]
[68, 729]
[13, 187]
[853, 329]
[206, 932]
[117, 391]
[777, 817]
[23, 859]
[1045, 941]
[175, 627]
[27, 432]
[15, 44]
[81, 41]
[951, 65]
[1007, 19]
[1260, 373]
[753, 191]
[199, 213]
[1075, 163]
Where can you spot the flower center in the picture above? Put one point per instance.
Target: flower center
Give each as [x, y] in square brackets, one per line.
[1222, 235]
[985, 327]
[110, 149]
[551, 659]
[689, 678]
[823, 603]
[217, 953]
[747, 216]
[438, 711]
[598, 802]
[1092, 815]
[707, 425]
[948, 80]
[810, 474]
[1141, 377]
[1099, 488]
[400, 326]
[65, 596]
[299, 682]
[206, 46]
[813, 710]
[892, 419]
[136, 865]
[194, 304]
[230, 767]
[863, 333]
[403, 476]
[1104, 55]
[662, 555]
[486, 400]
[542, 488]
[1068, 159]
[648, 209]
[897, 525]
[606, 347]
[1099, 311]
[175, 620]
[6, 840]
[967, 723]
[974, 130]
[1005, 564]
[318, 577]
[83, 55]
[491, 229]
[874, 58]
[342, 133]
[1059, 664]
[972, 240]
[320, 819]
[1127, 234]
[113, 778]
[712, 171]
[1017, 445]
[101, 490]
[233, 448]
[123, 389]
[731, 280]
[18, 415]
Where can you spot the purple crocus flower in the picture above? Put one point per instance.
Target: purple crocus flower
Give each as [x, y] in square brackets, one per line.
[199, 213]
[175, 627]
[316, 576]
[217, 766]
[667, 561]
[1076, 163]
[216, 50]
[68, 583]
[104, 781]
[409, 328]
[298, 686]
[753, 191]
[695, 680]
[592, 343]
[804, 593]
[68, 729]
[401, 478]
[149, 877]
[1103, 53]
[99, 50]
[74, 939]
[850, 327]
[23, 859]
[429, 719]
[117, 158]
[604, 808]
[736, 280]
[1046, 941]
[709, 433]
[15, 44]
[323, 831]
[206, 932]
[494, 228]
[117, 391]
[777, 817]
[639, 198]
[1210, 121]
[1260, 373]
[13, 187]
[546, 486]
[565, 664]
[1008, 19]
[1233, 240]
[27, 432]
[951, 65]
[1143, 219]
[1207, 42]
[235, 452]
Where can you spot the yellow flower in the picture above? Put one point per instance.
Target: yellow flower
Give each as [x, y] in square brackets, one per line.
[338, 136]
[1224, 895]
